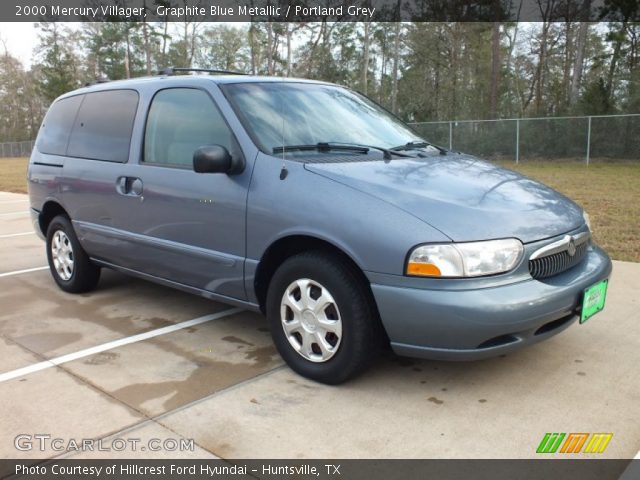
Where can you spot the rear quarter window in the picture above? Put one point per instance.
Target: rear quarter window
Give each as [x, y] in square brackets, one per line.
[57, 124]
[103, 126]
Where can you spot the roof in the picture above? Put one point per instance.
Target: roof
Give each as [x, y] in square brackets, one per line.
[188, 79]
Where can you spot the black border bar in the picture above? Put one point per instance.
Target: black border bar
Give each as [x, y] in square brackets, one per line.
[334, 469]
[319, 10]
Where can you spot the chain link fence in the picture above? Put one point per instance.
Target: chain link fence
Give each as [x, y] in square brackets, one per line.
[587, 139]
[16, 149]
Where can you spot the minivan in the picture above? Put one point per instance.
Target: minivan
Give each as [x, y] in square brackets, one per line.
[310, 203]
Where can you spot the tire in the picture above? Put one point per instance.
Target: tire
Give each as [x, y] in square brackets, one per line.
[70, 265]
[347, 320]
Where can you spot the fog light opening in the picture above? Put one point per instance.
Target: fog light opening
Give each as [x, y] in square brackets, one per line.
[498, 341]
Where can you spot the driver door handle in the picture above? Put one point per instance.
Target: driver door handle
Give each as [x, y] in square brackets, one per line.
[129, 186]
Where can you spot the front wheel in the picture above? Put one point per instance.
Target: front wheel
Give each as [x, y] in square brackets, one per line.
[70, 265]
[322, 318]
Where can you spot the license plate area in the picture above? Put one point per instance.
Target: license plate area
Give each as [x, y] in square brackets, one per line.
[593, 299]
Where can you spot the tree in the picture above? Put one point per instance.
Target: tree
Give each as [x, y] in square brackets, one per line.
[421, 71]
[224, 47]
[21, 105]
[547, 14]
[595, 100]
[59, 63]
[495, 68]
[366, 40]
[581, 46]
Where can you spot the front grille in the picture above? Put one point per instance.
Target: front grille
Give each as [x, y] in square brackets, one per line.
[550, 265]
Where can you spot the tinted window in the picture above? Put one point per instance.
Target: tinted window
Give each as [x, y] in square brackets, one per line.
[56, 128]
[102, 130]
[180, 121]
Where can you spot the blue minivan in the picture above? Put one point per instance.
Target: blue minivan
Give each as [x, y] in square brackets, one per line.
[312, 204]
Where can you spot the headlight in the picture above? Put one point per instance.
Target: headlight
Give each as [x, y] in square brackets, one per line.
[587, 220]
[471, 259]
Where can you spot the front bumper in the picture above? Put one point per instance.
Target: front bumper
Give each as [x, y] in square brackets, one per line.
[469, 324]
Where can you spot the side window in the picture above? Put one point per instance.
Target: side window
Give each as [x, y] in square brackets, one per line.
[180, 121]
[102, 130]
[56, 127]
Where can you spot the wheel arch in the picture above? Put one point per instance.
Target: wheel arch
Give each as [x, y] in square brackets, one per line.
[290, 245]
[50, 210]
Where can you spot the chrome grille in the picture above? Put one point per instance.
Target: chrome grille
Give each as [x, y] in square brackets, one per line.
[554, 259]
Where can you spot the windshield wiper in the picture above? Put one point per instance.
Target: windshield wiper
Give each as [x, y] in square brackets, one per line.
[387, 153]
[320, 147]
[348, 147]
[418, 144]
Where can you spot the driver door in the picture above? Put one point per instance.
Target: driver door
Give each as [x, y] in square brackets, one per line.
[184, 226]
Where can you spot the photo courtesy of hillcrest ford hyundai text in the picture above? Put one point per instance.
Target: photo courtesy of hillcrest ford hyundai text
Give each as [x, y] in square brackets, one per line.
[310, 203]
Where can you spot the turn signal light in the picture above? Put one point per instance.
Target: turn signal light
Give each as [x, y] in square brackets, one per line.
[423, 269]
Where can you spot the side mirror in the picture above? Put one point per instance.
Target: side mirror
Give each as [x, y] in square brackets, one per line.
[212, 159]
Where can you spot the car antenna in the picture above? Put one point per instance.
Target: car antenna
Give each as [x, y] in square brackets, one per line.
[283, 172]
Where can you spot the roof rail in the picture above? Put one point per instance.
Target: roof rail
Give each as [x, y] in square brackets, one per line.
[97, 81]
[174, 70]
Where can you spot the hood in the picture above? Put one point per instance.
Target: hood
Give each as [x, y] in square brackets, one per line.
[465, 198]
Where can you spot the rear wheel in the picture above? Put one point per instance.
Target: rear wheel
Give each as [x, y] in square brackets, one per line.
[70, 265]
[322, 317]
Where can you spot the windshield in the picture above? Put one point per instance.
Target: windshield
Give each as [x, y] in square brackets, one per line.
[280, 114]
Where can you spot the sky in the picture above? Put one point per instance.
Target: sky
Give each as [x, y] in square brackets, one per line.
[21, 38]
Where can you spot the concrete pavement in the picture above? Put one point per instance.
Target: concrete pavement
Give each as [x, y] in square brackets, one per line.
[222, 384]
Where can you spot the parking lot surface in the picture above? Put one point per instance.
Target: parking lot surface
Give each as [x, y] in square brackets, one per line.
[139, 361]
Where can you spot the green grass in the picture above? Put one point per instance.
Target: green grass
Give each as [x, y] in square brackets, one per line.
[608, 191]
[13, 175]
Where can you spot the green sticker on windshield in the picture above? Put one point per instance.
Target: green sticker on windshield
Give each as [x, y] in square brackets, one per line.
[593, 300]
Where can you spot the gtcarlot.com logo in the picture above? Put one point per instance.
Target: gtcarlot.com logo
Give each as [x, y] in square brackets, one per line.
[44, 442]
[573, 442]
